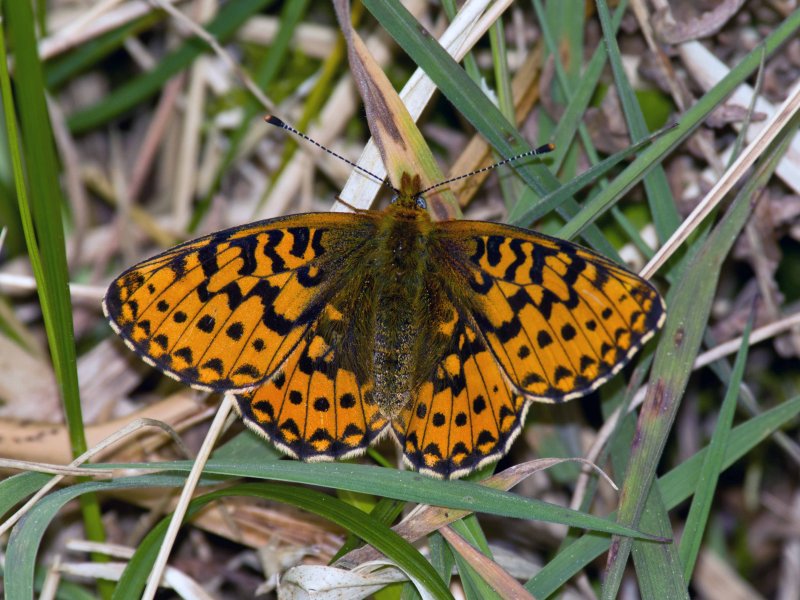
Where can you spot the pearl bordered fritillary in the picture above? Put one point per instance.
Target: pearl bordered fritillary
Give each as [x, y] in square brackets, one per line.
[334, 328]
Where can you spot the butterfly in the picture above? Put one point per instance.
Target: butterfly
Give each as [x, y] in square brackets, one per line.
[334, 329]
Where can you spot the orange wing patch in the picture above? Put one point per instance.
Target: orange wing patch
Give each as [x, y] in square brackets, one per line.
[311, 408]
[559, 319]
[221, 313]
[466, 416]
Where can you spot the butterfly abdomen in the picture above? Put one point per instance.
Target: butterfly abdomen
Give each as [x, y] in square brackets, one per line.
[400, 301]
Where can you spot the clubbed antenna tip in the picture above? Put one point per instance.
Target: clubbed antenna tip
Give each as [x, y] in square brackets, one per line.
[273, 120]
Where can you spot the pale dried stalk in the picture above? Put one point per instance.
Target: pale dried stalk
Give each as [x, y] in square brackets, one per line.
[154, 580]
[734, 173]
[95, 451]
[469, 25]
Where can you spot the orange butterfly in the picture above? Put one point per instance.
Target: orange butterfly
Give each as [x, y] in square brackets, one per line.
[334, 328]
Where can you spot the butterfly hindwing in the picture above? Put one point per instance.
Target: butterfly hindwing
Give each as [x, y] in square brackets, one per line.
[466, 415]
[222, 312]
[559, 319]
[312, 408]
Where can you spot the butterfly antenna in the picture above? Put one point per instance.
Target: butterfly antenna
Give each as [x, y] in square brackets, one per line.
[544, 149]
[273, 120]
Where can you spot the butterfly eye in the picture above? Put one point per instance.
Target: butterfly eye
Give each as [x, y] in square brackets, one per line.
[421, 203]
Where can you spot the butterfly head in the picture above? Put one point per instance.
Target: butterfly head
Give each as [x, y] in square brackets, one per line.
[408, 197]
[405, 201]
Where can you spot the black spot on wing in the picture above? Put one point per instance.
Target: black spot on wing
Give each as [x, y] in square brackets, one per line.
[162, 341]
[207, 256]
[561, 372]
[235, 331]
[206, 324]
[307, 279]
[316, 242]
[347, 401]
[480, 249]
[267, 294]
[543, 339]
[586, 362]
[279, 380]
[247, 246]
[274, 237]
[519, 258]
[485, 437]
[214, 364]
[250, 371]
[481, 282]
[493, 253]
[575, 267]
[539, 255]
[300, 239]
[185, 354]
[531, 378]
[321, 404]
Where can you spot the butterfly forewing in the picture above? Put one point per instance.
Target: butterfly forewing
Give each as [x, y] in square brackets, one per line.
[224, 311]
[559, 319]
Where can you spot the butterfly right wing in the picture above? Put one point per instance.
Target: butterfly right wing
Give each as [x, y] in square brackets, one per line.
[223, 312]
[465, 414]
[559, 319]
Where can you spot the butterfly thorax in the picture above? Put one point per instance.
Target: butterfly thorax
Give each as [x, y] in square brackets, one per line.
[401, 265]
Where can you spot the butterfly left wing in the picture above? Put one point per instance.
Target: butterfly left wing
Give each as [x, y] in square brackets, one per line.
[222, 312]
[558, 318]
[465, 415]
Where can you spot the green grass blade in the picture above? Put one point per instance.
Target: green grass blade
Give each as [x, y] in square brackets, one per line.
[41, 203]
[352, 519]
[475, 587]
[658, 567]
[17, 488]
[563, 26]
[579, 94]
[511, 187]
[690, 303]
[441, 557]
[676, 486]
[688, 122]
[701, 504]
[386, 511]
[402, 485]
[26, 537]
[659, 195]
[265, 74]
[556, 197]
[471, 102]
